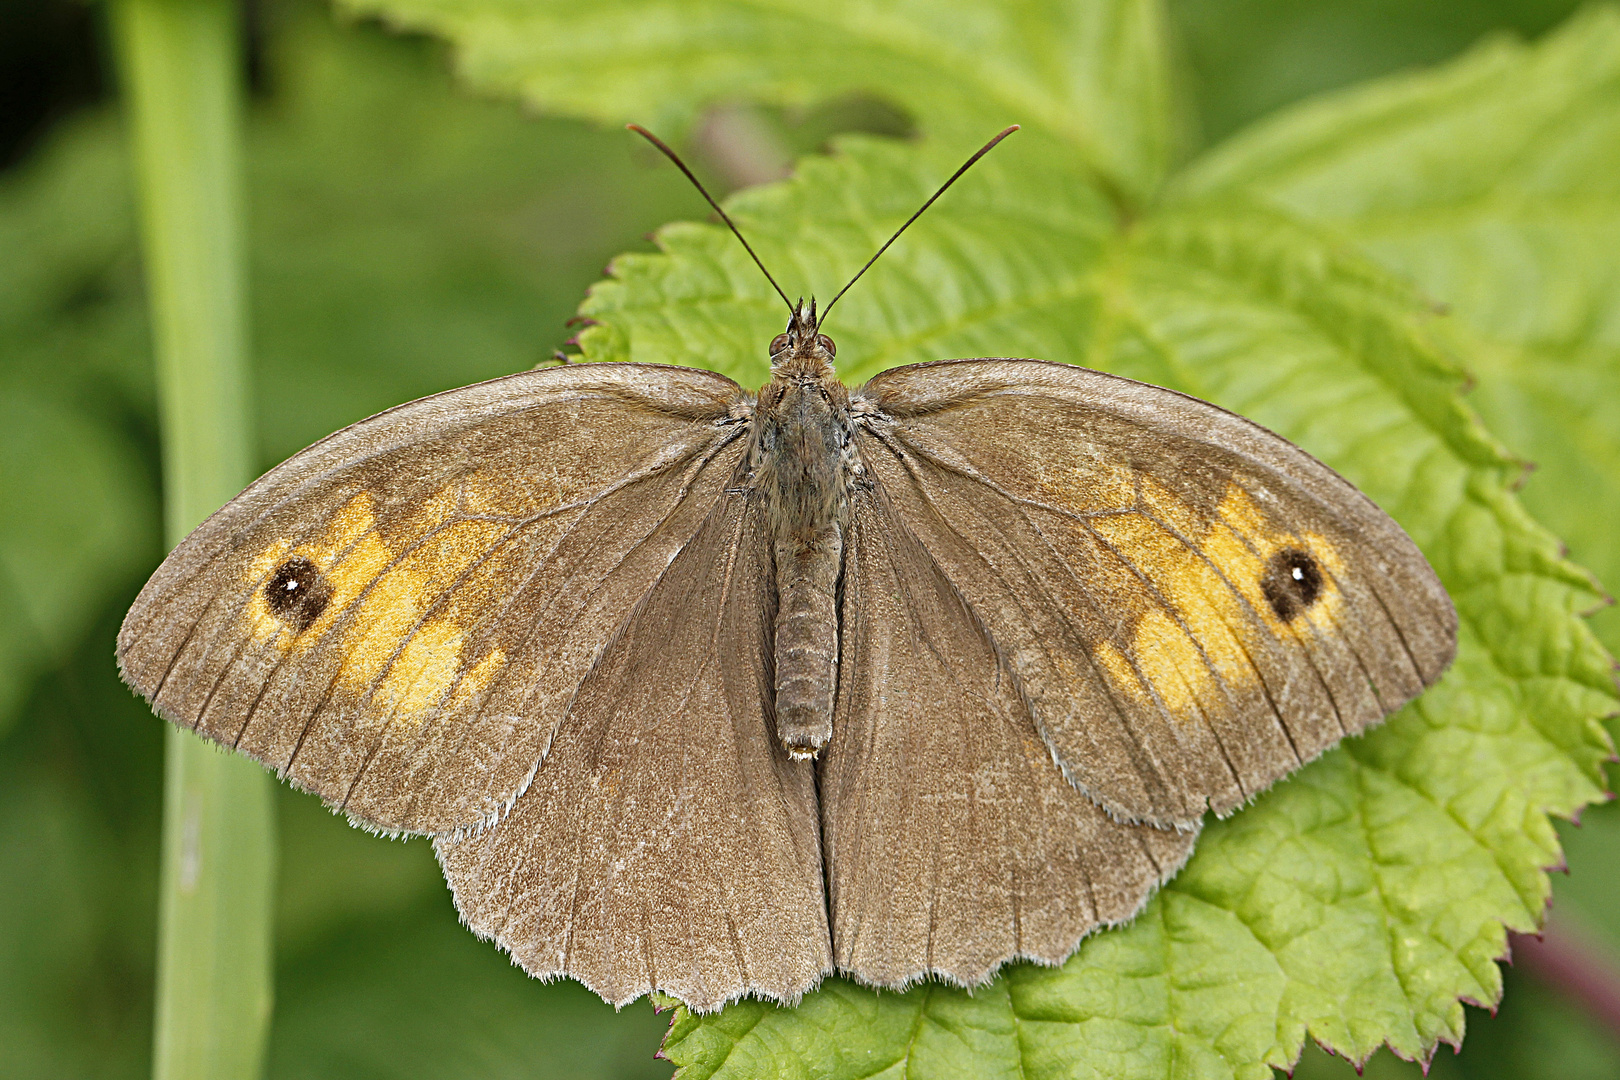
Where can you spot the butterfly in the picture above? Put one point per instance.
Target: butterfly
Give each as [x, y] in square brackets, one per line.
[715, 693]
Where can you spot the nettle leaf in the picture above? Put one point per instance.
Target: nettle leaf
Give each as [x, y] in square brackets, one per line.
[1357, 902]
[1089, 81]
[1495, 184]
[1362, 900]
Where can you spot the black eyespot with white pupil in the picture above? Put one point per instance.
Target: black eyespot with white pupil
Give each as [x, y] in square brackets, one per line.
[297, 593]
[1292, 583]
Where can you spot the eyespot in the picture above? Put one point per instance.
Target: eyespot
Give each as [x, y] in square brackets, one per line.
[827, 343]
[1292, 582]
[778, 343]
[297, 593]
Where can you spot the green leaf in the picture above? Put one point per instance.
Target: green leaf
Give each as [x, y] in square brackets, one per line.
[1249, 57]
[1494, 183]
[1089, 81]
[1357, 902]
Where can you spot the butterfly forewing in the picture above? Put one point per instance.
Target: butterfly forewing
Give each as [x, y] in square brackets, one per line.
[953, 843]
[1192, 606]
[398, 617]
[669, 842]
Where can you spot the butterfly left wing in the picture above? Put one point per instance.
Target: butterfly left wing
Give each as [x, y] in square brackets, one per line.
[668, 842]
[397, 617]
[953, 842]
[1192, 605]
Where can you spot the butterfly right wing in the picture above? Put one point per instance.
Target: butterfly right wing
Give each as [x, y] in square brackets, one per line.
[1192, 605]
[398, 617]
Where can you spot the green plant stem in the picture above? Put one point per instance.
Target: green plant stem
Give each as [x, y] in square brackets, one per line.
[180, 65]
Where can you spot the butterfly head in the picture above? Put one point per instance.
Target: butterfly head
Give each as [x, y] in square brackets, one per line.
[802, 347]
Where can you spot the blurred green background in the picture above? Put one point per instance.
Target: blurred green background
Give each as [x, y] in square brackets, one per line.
[407, 238]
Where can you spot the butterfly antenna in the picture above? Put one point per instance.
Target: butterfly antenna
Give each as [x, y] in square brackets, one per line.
[681, 165]
[966, 165]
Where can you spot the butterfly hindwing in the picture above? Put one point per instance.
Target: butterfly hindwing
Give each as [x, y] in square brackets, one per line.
[397, 617]
[1191, 605]
[668, 842]
[953, 842]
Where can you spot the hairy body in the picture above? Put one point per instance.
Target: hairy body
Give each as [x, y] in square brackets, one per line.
[802, 461]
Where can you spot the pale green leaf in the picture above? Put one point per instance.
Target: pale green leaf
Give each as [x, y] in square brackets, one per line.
[1495, 184]
[1356, 903]
[1088, 80]
[1245, 58]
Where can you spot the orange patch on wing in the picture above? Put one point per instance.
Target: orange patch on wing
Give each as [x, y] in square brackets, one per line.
[1209, 573]
[401, 643]
[1172, 663]
[1184, 650]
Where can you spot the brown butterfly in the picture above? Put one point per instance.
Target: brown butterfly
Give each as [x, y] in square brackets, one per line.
[716, 693]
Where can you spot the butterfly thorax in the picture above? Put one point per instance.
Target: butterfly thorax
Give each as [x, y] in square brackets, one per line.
[801, 459]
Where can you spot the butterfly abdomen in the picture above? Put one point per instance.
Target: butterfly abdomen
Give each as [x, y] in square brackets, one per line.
[800, 469]
[807, 641]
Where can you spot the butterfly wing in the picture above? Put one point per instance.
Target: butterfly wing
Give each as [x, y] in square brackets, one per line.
[668, 842]
[1191, 605]
[953, 842]
[397, 617]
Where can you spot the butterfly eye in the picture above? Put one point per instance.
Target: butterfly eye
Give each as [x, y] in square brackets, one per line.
[827, 343]
[778, 343]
